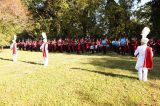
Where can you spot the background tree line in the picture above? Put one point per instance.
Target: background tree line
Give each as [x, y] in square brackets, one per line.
[76, 17]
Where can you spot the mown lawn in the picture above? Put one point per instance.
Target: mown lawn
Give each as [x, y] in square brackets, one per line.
[75, 80]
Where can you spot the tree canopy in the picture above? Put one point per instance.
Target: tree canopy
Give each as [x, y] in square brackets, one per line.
[76, 17]
[13, 19]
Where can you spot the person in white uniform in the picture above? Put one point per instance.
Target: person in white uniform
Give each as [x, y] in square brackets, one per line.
[44, 49]
[13, 47]
[144, 56]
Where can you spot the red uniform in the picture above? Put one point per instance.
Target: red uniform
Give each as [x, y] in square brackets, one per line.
[82, 45]
[148, 62]
[60, 45]
[50, 46]
[69, 45]
[87, 45]
[54, 43]
[14, 48]
[44, 50]
[135, 45]
[78, 46]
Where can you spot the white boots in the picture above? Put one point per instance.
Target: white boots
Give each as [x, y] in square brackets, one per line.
[14, 57]
[45, 61]
[142, 74]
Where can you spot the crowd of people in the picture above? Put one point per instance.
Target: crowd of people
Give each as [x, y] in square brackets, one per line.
[122, 45]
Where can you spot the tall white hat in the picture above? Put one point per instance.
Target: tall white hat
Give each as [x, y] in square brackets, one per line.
[145, 32]
[15, 37]
[144, 40]
[44, 40]
[44, 35]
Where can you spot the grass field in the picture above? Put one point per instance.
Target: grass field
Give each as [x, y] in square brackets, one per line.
[75, 80]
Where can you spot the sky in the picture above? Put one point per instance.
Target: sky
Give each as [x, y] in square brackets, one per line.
[144, 1]
[140, 4]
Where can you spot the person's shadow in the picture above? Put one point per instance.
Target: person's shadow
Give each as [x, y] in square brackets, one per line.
[30, 62]
[106, 73]
[124, 63]
[6, 59]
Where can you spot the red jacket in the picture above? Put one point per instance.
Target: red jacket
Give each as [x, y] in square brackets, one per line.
[148, 61]
[14, 48]
[44, 50]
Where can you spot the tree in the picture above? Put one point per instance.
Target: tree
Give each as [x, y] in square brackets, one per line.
[61, 15]
[112, 17]
[155, 16]
[13, 19]
[141, 18]
[143, 14]
[67, 17]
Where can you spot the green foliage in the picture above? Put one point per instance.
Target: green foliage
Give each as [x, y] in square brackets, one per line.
[143, 14]
[140, 18]
[115, 17]
[7, 30]
[63, 16]
[2, 40]
[13, 19]
[67, 17]
[155, 16]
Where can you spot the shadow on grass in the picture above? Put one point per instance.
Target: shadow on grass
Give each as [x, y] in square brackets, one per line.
[6, 59]
[30, 62]
[155, 73]
[124, 63]
[106, 73]
[113, 63]
[109, 53]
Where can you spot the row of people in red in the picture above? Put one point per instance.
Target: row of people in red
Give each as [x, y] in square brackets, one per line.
[155, 44]
[120, 45]
[131, 45]
[67, 45]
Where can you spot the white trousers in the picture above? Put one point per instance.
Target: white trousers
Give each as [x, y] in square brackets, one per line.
[45, 61]
[14, 56]
[142, 74]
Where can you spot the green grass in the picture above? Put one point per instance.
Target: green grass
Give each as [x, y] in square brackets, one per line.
[75, 80]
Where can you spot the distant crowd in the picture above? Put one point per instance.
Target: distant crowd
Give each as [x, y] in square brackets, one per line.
[122, 45]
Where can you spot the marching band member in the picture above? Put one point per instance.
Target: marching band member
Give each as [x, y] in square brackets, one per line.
[123, 44]
[92, 47]
[60, 45]
[44, 49]
[104, 43]
[144, 56]
[13, 47]
[54, 45]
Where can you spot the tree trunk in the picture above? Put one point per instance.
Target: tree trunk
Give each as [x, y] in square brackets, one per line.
[1, 48]
[84, 29]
